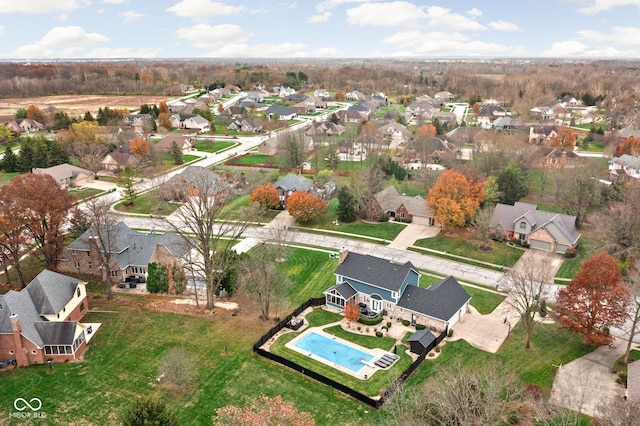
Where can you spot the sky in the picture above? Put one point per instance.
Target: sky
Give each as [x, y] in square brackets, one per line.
[108, 29]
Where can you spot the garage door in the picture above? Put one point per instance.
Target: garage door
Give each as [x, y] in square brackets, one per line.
[562, 249]
[420, 220]
[541, 245]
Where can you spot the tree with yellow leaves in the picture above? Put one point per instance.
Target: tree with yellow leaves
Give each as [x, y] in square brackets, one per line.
[565, 138]
[454, 200]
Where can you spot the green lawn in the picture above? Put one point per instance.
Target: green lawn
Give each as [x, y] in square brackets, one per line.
[588, 246]
[387, 231]
[217, 146]
[310, 273]
[6, 177]
[484, 301]
[255, 160]
[149, 203]
[121, 364]
[84, 194]
[502, 254]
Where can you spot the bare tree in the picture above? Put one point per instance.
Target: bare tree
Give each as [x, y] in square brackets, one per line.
[198, 222]
[622, 235]
[103, 234]
[260, 279]
[577, 192]
[527, 283]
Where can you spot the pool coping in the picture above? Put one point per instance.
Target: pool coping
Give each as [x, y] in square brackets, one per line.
[364, 374]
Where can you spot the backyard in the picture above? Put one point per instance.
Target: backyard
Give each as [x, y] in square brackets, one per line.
[122, 360]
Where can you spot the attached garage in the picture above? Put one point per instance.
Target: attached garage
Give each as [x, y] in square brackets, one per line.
[541, 245]
[561, 248]
[422, 220]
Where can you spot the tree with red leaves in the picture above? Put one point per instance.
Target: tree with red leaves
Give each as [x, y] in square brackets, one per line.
[263, 411]
[594, 300]
[304, 206]
[630, 146]
[265, 195]
[565, 138]
[351, 311]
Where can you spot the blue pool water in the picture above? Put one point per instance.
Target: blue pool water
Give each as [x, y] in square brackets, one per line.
[333, 351]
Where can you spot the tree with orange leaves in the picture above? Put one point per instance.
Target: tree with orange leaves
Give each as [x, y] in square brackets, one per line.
[565, 138]
[425, 131]
[454, 200]
[265, 195]
[139, 147]
[264, 411]
[34, 113]
[630, 146]
[351, 311]
[594, 300]
[304, 206]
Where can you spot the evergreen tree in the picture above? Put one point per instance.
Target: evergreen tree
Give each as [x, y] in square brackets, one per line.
[512, 184]
[147, 411]
[88, 117]
[127, 183]
[157, 278]
[25, 157]
[176, 153]
[10, 161]
[346, 205]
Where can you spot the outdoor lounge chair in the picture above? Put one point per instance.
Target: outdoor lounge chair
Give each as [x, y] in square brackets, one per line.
[381, 364]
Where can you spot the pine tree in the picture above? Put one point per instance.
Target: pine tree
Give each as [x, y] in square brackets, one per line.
[10, 161]
[176, 153]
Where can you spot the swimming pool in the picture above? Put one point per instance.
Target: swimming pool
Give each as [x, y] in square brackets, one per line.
[333, 351]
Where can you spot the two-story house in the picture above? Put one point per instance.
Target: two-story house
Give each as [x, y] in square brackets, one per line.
[391, 289]
[41, 322]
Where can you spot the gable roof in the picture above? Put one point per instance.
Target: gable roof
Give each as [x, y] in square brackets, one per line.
[505, 217]
[375, 271]
[627, 160]
[51, 291]
[46, 294]
[390, 200]
[280, 110]
[63, 171]
[442, 300]
[167, 141]
[424, 337]
[130, 247]
[294, 182]
[344, 290]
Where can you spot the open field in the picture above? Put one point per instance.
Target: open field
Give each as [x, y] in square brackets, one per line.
[76, 105]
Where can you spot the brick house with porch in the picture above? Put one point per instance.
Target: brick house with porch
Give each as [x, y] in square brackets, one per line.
[42, 321]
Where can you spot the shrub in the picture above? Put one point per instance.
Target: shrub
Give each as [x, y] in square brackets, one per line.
[383, 218]
[406, 323]
[438, 348]
[450, 333]
[570, 253]
[402, 220]
[147, 411]
[420, 327]
[388, 324]
[359, 328]
[370, 321]
[379, 333]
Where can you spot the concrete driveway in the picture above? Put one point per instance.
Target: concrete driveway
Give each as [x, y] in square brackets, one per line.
[554, 260]
[412, 233]
[486, 332]
[587, 384]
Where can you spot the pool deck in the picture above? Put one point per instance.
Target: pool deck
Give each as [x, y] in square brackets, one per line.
[366, 372]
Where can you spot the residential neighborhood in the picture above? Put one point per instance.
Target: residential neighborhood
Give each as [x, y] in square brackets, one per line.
[279, 234]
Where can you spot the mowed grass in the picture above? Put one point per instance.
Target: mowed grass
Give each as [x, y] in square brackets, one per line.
[385, 231]
[588, 246]
[217, 146]
[149, 203]
[310, 273]
[122, 364]
[501, 254]
[254, 160]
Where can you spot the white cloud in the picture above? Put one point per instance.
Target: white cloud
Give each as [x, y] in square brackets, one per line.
[71, 36]
[442, 17]
[324, 17]
[205, 36]
[3, 30]
[385, 14]
[629, 36]
[330, 4]
[113, 1]
[41, 6]
[604, 5]
[201, 10]
[474, 13]
[63, 17]
[574, 48]
[416, 43]
[109, 52]
[130, 16]
[242, 50]
[503, 26]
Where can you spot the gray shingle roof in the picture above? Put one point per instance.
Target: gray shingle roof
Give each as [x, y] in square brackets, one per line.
[627, 161]
[51, 291]
[344, 290]
[442, 300]
[390, 200]
[294, 182]
[374, 271]
[56, 332]
[20, 303]
[130, 247]
[505, 217]
[424, 337]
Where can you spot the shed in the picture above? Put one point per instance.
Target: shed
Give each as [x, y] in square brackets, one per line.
[421, 340]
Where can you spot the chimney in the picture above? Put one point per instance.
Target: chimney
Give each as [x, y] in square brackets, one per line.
[18, 352]
[342, 255]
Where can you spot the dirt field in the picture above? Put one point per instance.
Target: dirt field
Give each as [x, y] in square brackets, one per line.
[76, 105]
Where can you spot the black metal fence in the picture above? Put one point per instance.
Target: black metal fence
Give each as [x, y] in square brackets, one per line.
[375, 403]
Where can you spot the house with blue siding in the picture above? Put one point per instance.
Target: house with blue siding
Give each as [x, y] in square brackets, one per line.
[385, 288]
